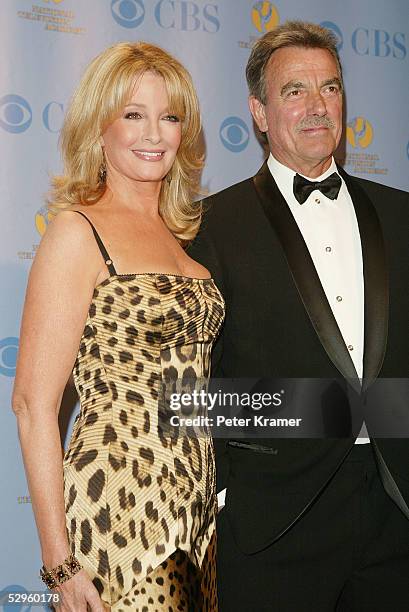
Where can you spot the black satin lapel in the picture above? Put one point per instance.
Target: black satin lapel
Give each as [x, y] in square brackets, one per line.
[376, 282]
[304, 273]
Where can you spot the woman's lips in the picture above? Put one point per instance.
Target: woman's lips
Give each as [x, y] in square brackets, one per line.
[150, 156]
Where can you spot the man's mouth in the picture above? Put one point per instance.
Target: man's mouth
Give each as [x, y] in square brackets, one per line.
[314, 129]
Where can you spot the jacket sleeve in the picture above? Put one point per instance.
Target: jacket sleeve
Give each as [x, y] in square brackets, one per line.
[204, 250]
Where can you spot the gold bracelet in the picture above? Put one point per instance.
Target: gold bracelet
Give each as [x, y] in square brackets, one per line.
[61, 573]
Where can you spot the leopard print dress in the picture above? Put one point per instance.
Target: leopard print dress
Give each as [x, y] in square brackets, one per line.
[141, 506]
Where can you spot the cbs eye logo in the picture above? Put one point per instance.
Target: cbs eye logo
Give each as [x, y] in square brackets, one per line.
[15, 114]
[128, 13]
[330, 25]
[234, 134]
[8, 356]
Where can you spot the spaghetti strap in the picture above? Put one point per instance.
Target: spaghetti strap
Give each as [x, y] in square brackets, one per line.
[102, 248]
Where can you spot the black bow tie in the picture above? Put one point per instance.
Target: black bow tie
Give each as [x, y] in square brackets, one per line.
[303, 188]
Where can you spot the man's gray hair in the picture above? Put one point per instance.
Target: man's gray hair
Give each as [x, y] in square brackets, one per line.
[288, 34]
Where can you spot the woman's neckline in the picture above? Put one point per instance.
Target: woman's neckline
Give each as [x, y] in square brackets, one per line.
[167, 274]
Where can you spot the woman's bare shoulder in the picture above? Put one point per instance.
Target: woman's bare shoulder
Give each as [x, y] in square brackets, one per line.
[68, 236]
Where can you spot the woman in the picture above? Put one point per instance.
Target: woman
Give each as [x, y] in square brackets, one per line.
[113, 296]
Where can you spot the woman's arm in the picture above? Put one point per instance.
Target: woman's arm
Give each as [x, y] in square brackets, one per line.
[59, 291]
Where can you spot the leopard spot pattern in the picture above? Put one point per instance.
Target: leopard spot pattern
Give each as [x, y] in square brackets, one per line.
[138, 499]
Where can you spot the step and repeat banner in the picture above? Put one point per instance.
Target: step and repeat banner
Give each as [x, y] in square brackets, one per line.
[45, 47]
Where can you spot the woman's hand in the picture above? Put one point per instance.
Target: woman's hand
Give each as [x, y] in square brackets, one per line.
[78, 594]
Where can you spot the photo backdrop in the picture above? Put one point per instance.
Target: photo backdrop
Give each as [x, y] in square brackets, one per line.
[45, 47]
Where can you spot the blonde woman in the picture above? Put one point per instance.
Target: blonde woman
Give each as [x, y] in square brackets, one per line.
[128, 515]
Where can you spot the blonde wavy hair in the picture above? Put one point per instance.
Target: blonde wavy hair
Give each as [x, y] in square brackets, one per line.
[104, 90]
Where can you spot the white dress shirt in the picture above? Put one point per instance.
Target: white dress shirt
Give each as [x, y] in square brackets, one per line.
[331, 233]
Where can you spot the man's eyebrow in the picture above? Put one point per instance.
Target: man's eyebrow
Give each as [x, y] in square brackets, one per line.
[333, 81]
[300, 85]
[291, 85]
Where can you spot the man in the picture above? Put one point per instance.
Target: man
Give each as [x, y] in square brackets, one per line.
[316, 283]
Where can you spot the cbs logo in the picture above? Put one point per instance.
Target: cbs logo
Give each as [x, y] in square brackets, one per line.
[234, 134]
[128, 13]
[183, 15]
[8, 356]
[373, 42]
[16, 114]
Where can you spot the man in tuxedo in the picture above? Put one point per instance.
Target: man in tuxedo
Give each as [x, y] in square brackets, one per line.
[314, 268]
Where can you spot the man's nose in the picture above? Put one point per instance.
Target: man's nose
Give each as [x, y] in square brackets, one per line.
[316, 104]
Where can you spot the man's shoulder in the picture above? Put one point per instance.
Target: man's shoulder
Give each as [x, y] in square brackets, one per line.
[378, 192]
[231, 198]
[233, 207]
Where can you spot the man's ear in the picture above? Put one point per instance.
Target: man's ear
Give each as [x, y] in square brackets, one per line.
[257, 109]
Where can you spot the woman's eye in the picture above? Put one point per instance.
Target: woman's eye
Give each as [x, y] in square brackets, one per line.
[173, 118]
[294, 93]
[133, 115]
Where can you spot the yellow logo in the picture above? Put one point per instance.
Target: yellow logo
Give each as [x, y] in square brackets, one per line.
[265, 16]
[55, 1]
[359, 133]
[42, 219]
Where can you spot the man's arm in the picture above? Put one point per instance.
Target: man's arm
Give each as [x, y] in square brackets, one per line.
[204, 251]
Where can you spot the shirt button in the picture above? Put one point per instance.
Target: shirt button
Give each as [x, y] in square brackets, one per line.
[328, 249]
[350, 347]
[318, 201]
[339, 298]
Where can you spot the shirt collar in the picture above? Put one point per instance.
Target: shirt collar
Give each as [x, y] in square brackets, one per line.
[284, 176]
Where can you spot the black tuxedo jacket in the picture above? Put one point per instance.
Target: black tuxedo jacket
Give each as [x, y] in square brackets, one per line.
[280, 324]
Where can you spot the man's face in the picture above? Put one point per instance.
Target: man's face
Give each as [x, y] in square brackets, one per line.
[303, 112]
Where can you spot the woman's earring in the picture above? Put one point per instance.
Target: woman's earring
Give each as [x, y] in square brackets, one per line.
[102, 173]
